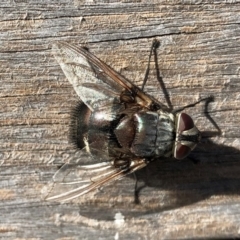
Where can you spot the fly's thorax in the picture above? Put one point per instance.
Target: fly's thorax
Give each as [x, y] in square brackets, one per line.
[187, 136]
[165, 134]
[147, 133]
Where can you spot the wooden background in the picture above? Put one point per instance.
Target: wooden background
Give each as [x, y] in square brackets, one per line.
[199, 56]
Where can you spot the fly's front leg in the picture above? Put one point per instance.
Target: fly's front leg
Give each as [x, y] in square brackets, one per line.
[207, 100]
[206, 113]
[208, 134]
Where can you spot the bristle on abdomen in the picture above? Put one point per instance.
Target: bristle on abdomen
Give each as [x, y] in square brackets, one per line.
[79, 124]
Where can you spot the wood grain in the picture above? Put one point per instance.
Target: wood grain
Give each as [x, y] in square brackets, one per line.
[199, 56]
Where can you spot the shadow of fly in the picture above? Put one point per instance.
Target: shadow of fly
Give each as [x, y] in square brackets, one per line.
[118, 127]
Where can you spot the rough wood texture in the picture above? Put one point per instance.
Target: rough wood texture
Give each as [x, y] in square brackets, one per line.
[199, 56]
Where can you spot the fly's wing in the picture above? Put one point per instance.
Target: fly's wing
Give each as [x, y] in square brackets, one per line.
[72, 181]
[100, 88]
[96, 84]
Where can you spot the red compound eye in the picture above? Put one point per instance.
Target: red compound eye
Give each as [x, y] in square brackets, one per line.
[185, 122]
[181, 151]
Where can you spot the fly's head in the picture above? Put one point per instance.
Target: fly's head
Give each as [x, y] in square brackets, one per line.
[187, 136]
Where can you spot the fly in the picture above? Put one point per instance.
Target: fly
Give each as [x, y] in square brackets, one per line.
[118, 127]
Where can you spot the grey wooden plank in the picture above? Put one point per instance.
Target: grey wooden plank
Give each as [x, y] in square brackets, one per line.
[198, 56]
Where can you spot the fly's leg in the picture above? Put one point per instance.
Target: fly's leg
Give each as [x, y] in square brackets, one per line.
[218, 131]
[206, 113]
[137, 190]
[207, 100]
[155, 45]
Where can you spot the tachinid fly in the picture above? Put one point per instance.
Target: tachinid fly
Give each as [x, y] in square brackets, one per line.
[119, 128]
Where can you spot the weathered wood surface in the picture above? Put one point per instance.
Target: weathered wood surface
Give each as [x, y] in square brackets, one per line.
[199, 56]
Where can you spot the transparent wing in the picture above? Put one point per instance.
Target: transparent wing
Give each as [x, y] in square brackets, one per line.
[100, 88]
[72, 181]
[95, 83]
